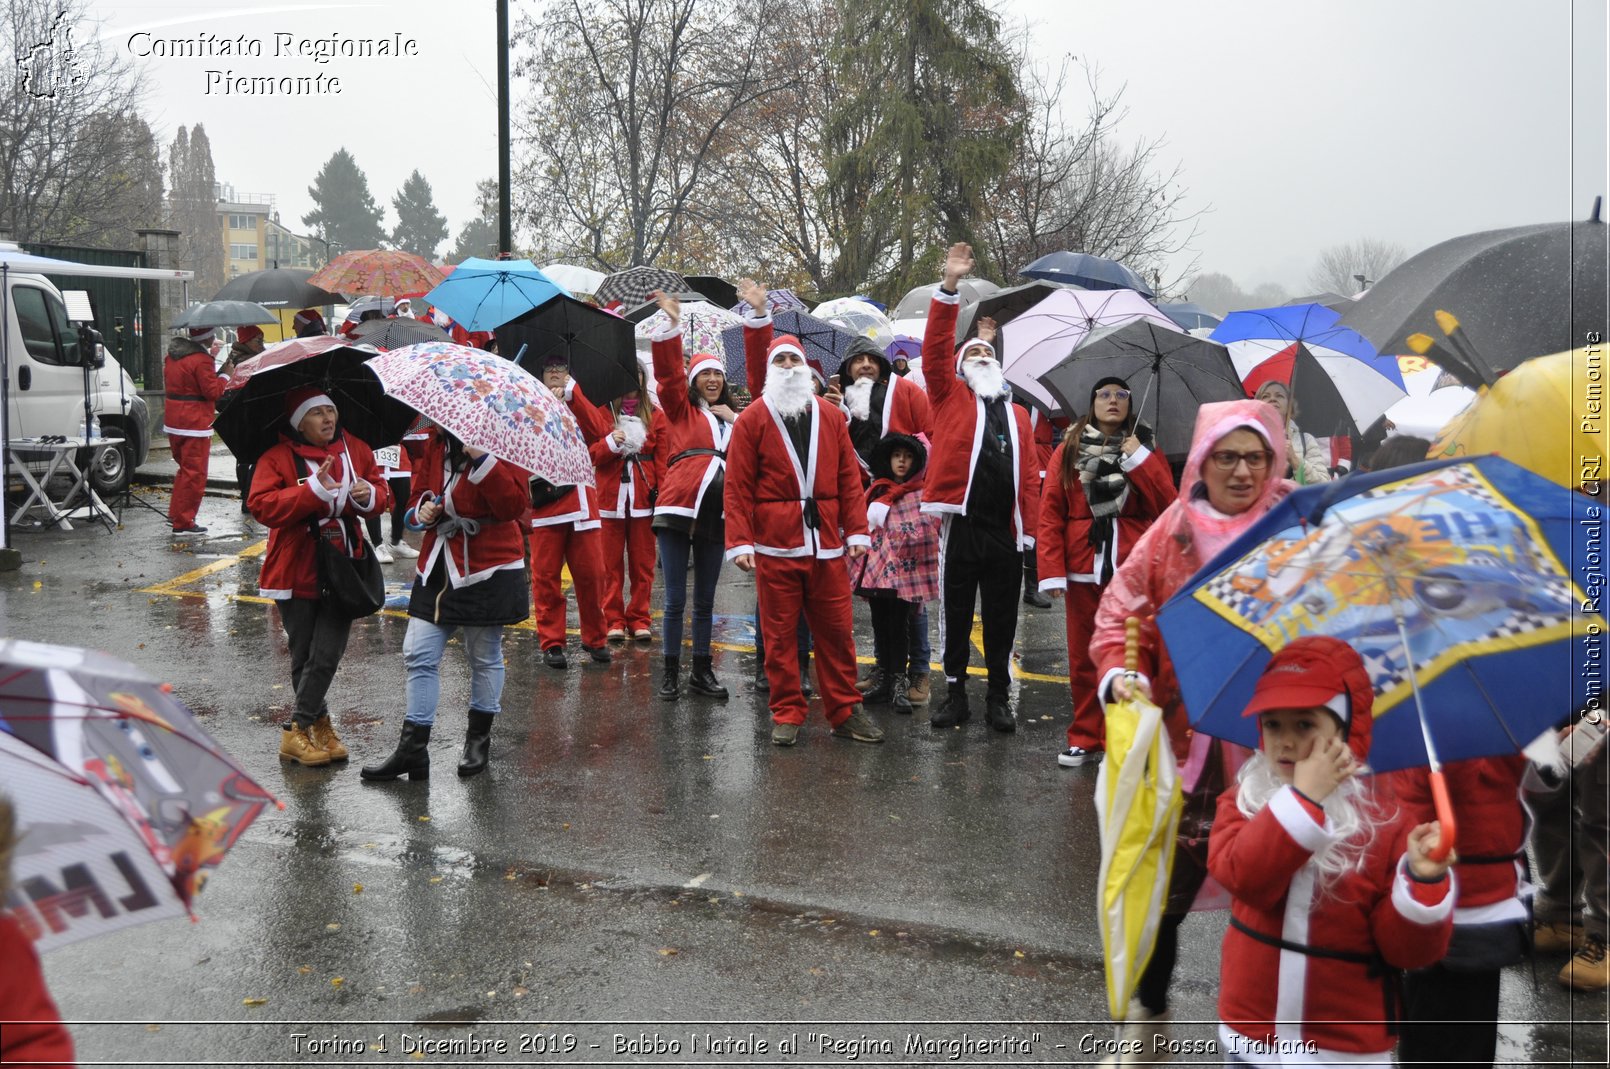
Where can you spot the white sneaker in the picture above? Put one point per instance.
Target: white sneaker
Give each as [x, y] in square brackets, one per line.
[382, 554]
[404, 551]
[1074, 756]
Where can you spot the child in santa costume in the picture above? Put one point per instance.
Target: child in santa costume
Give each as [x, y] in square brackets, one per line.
[564, 532]
[628, 478]
[1334, 886]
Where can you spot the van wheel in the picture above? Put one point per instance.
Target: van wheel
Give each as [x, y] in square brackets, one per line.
[109, 469]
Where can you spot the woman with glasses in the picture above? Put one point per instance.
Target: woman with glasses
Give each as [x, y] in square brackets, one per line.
[1104, 487]
[1309, 459]
[1231, 478]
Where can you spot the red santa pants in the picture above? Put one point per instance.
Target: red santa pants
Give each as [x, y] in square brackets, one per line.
[632, 537]
[1089, 728]
[190, 481]
[552, 547]
[781, 584]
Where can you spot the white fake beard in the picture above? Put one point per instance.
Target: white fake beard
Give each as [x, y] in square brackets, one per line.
[984, 378]
[788, 388]
[858, 398]
[1350, 808]
[635, 434]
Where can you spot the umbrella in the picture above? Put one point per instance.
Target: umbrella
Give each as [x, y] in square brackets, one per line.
[1336, 377]
[634, 285]
[597, 346]
[1334, 301]
[1170, 374]
[821, 340]
[915, 304]
[1541, 416]
[124, 803]
[857, 317]
[252, 414]
[278, 287]
[396, 332]
[714, 288]
[1190, 315]
[491, 404]
[484, 294]
[903, 345]
[702, 324]
[386, 271]
[1091, 272]
[776, 301]
[1435, 398]
[1520, 292]
[1003, 306]
[1041, 338]
[1456, 581]
[643, 311]
[574, 279]
[879, 305]
[224, 314]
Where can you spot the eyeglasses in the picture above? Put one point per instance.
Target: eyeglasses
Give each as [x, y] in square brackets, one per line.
[1227, 459]
[1113, 395]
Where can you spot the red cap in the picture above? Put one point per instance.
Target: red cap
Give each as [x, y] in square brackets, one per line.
[1307, 674]
[201, 334]
[246, 334]
[300, 400]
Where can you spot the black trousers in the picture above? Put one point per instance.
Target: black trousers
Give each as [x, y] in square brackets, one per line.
[318, 638]
[1451, 1018]
[891, 633]
[981, 568]
[400, 488]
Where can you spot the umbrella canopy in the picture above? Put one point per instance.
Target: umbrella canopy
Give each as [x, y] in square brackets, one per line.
[1091, 272]
[484, 294]
[1334, 301]
[1338, 380]
[1041, 338]
[224, 314]
[857, 317]
[1456, 582]
[1170, 376]
[715, 289]
[904, 345]
[634, 285]
[396, 332]
[822, 341]
[490, 404]
[278, 287]
[1517, 293]
[1190, 315]
[574, 279]
[251, 415]
[776, 301]
[1003, 306]
[1540, 416]
[390, 272]
[643, 311]
[597, 346]
[1435, 398]
[121, 796]
[702, 324]
[915, 304]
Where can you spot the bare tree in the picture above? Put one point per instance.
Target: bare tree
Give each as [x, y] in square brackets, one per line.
[1219, 294]
[1340, 265]
[193, 210]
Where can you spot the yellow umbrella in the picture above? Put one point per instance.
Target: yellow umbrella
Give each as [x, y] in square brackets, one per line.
[1547, 415]
[1138, 804]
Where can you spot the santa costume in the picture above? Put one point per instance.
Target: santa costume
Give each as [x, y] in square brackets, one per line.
[628, 481]
[191, 387]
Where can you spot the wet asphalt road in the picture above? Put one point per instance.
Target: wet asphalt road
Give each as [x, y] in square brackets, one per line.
[623, 860]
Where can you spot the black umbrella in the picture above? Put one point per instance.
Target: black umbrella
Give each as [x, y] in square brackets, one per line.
[224, 314]
[633, 285]
[1516, 293]
[1170, 376]
[715, 289]
[1003, 306]
[396, 332]
[599, 347]
[278, 287]
[252, 416]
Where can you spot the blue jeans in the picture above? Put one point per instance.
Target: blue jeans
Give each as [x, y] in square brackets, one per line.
[422, 658]
[675, 550]
[921, 654]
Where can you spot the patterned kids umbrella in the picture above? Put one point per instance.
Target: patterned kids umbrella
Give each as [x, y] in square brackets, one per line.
[702, 324]
[389, 272]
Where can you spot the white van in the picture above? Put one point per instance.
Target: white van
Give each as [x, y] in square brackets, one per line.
[49, 374]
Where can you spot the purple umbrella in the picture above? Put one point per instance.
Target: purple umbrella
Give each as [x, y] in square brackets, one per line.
[1041, 338]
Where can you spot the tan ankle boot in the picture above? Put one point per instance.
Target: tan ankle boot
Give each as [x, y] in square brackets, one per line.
[296, 745]
[324, 737]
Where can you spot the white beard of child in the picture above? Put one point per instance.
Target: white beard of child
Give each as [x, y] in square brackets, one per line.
[858, 398]
[984, 377]
[788, 389]
[1349, 809]
[635, 434]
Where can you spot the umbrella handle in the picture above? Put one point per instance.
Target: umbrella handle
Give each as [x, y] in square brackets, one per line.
[1445, 817]
[1132, 644]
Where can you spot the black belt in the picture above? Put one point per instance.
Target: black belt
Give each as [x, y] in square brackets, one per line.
[183, 397]
[701, 452]
[1376, 967]
[1491, 859]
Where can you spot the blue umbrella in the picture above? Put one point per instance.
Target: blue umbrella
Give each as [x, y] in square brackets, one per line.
[485, 294]
[1091, 272]
[1459, 583]
[1190, 315]
[823, 343]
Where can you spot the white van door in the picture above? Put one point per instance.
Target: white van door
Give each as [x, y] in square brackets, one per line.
[46, 390]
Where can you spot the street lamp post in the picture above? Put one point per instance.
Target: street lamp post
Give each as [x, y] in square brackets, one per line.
[1363, 282]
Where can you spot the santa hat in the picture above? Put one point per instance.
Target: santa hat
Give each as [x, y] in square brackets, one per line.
[302, 400]
[704, 362]
[784, 343]
[246, 334]
[202, 335]
[308, 316]
[972, 344]
[816, 371]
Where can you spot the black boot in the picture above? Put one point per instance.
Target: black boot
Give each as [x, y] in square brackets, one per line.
[953, 710]
[998, 712]
[900, 699]
[883, 692]
[477, 744]
[805, 687]
[669, 691]
[762, 684]
[1031, 583]
[411, 758]
[702, 680]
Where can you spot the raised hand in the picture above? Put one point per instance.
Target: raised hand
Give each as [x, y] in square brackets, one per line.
[669, 305]
[958, 263]
[988, 329]
[753, 294]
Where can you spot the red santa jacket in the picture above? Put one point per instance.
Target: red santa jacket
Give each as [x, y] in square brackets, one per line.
[688, 426]
[958, 431]
[1064, 552]
[1044, 431]
[1492, 832]
[36, 1035]
[618, 500]
[1284, 998]
[492, 494]
[285, 497]
[578, 504]
[191, 387]
[781, 504]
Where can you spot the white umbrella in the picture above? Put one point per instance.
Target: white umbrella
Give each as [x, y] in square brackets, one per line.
[573, 278]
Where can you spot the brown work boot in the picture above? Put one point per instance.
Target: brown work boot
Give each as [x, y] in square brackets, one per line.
[296, 745]
[324, 737]
[1589, 968]
[1549, 937]
[859, 727]
[871, 679]
[918, 692]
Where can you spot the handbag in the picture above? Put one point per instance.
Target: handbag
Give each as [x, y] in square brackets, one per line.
[545, 493]
[351, 587]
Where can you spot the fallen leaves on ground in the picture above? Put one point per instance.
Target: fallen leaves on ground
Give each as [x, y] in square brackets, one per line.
[357, 888]
[254, 1002]
[337, 981]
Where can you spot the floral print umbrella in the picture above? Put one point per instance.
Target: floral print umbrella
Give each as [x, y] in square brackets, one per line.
[702, 324]
[388, 272]
[489, 403]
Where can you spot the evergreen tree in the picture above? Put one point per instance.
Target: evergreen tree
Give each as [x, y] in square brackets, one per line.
[420, 227]
[479, 237]
[193, 209]
[344, 211]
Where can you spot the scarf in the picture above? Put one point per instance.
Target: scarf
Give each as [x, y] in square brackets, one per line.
[1106, 487]
[890, 491]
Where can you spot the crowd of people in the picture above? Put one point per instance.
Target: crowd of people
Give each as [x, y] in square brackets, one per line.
[870, 486]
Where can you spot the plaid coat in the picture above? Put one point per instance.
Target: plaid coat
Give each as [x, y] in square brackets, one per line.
[904, 557]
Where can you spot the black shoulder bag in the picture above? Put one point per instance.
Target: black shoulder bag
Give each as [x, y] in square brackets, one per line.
[352, 587]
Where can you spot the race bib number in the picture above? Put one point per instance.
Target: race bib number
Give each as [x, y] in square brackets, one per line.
[389, 456]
